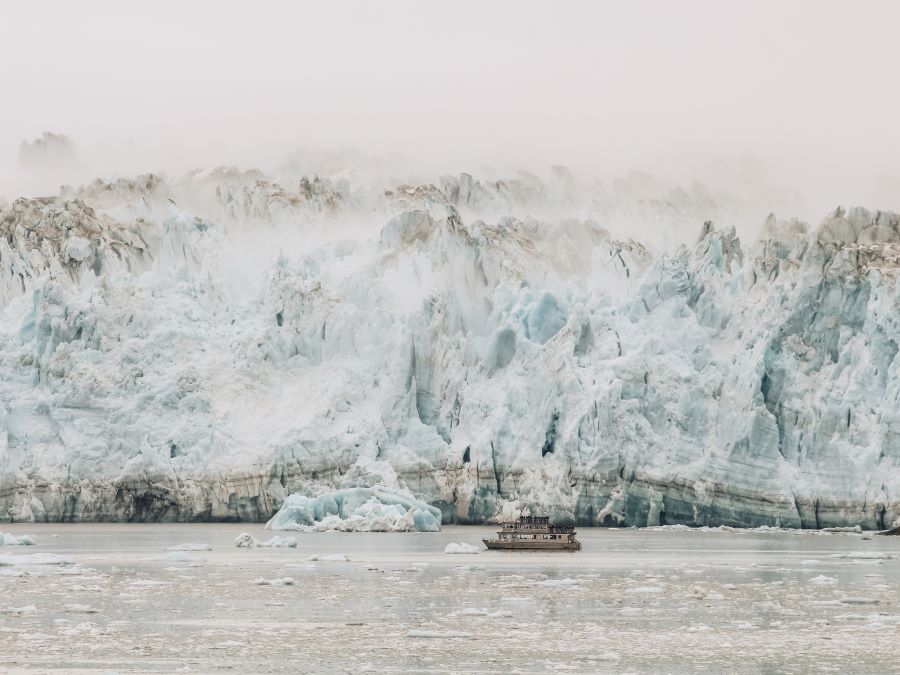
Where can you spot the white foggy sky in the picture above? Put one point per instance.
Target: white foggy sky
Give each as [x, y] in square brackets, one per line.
[809, 87]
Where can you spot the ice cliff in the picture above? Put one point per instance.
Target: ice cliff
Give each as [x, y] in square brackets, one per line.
[202, 347]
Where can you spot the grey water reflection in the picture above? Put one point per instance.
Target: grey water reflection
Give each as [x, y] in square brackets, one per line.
[650, 600]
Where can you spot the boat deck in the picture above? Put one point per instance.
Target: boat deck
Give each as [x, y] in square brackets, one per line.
[536, 534]
[533, 544]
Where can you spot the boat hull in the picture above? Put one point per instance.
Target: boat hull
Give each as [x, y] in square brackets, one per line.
[532, 545]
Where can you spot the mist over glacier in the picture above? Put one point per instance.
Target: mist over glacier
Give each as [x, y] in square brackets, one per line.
[585, 260]
[201, 347]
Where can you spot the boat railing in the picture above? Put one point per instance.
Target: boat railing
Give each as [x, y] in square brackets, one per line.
[554, 529]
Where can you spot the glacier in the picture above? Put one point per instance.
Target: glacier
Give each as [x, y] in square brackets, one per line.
[203, 347]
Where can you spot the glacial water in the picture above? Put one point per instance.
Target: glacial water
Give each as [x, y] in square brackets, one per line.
[649, 600]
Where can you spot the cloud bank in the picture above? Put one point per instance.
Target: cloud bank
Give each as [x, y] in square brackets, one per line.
[798, 96]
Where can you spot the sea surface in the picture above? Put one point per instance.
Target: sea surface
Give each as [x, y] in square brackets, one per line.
[633, 600]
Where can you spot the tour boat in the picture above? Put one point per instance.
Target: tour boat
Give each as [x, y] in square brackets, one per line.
[534, 533]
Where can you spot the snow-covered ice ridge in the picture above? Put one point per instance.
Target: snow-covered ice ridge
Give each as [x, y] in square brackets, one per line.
[199, 348]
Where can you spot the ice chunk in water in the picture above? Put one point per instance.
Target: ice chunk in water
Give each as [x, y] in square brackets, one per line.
[80, 608]
[558, 583]
[859, 601]
[462, 547]
[246, 540]
[177, 556]
[822, 579]
[7, 539]
[376, 509]
[438, 634]
[33, 559]
[337, 557]
[645, 589]
[283, 581]
[26, 609]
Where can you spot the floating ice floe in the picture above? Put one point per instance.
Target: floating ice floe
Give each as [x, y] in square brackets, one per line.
[177, 556]
[336, 557]
[148, 583]
[558, 583]
[7, 539]
[438, 634]
[33, 559]
[76, 608]
[376, 509]
[190, 547]
[283, 581]
[645, 589]
[865, 555]
[883, 618]
[27, 609]
[246, 540]
[744, 625]
[822, 579]
[461, 547]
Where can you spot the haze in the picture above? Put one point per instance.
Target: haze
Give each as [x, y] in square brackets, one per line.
[807, 90]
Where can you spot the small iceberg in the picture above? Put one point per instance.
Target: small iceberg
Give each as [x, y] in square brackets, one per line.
[438, 634]
[27, 609]
[78, 608]
[177, 556]
[376, 509]
[822, 579]
[190, 547]
[866, 555]
[283, 581]
[7, 539]
[337, 557]
[33, 559]
[460, 548]
[246, 540]
[558, 583]
[646, 589]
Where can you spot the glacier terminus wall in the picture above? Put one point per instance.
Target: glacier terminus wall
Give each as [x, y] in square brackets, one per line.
[199, 348]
